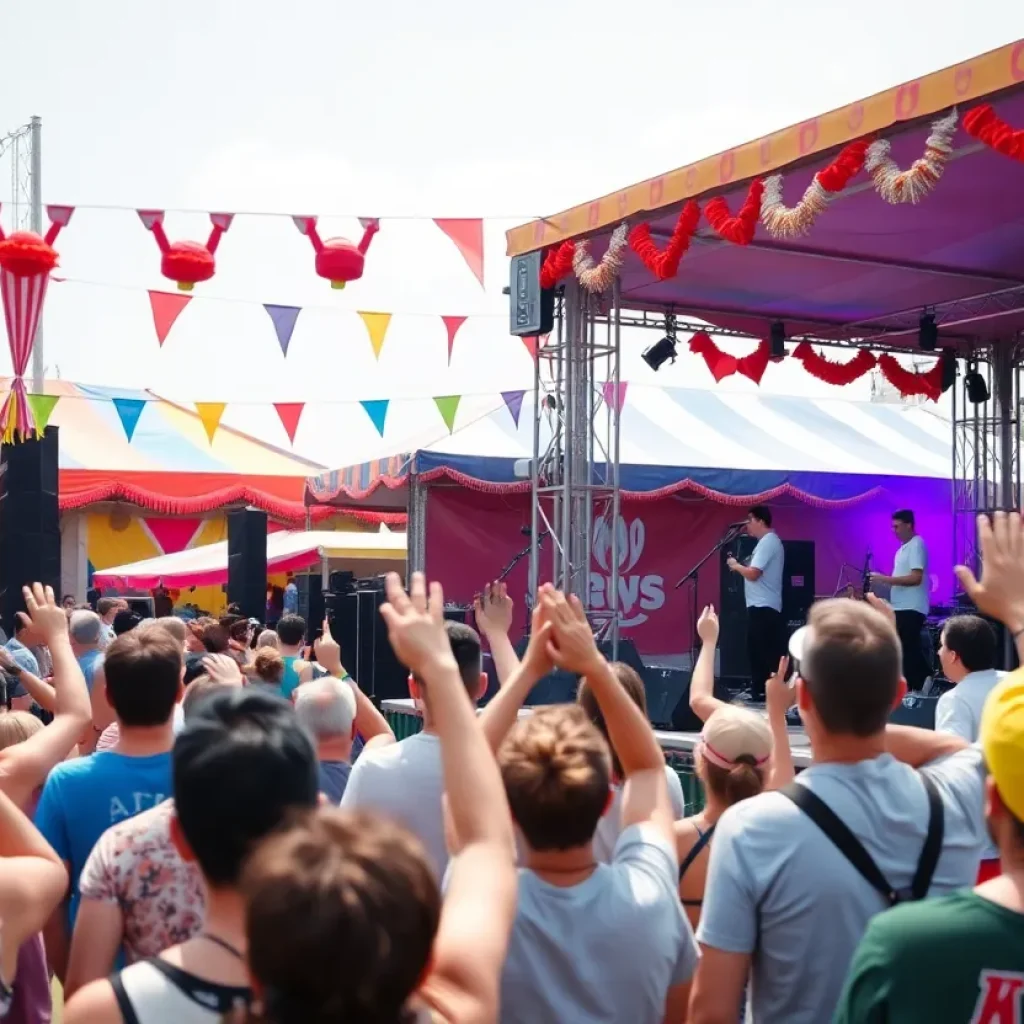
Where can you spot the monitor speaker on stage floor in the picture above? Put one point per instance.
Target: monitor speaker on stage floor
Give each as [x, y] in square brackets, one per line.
[797, 598]
[29, 521]
[247, 561]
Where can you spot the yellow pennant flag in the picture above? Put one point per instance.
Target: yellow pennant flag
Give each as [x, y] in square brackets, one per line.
[210, 414]
[377, 326]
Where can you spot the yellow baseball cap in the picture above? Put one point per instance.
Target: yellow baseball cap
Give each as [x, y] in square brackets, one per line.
[1002, 739]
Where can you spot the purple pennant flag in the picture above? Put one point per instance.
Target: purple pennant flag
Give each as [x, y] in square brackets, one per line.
[284, 318]
[514, 403]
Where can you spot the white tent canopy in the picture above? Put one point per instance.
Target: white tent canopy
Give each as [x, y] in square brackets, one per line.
[287, 551]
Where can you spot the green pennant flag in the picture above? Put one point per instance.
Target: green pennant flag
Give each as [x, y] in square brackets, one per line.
[42, 409]
[448, 406]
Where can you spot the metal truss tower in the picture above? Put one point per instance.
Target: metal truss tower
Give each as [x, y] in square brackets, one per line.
[575, 466]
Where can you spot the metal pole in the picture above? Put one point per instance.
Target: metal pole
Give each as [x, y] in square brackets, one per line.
[535, 472]
[615, 448]
[36, 130]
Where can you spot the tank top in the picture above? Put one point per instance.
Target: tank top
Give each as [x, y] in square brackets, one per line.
[290, 679]
[156, 992]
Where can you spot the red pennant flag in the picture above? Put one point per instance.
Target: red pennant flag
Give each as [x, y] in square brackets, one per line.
[167, 308]
[452, 325]
[534, 344]
[289, 413]
[468, 236]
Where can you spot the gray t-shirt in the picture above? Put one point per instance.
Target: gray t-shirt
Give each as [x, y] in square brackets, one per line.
[333, 779]
[780, 890]
[766, 591]
[606, 950]
[609, 828]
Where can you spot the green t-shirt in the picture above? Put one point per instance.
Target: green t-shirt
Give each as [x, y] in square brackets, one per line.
[955, 959]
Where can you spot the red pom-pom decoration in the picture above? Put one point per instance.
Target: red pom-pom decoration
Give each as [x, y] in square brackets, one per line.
[557, 264]
[982, 124]
[186, 263]
[25, 254]
[739, 229]
[337, 259]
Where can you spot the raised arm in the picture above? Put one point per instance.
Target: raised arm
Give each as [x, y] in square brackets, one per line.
[479, 904]
[703, 702]
[779, 697]
[572, 647]
[918, 747]
[37, 689]
[493, 611]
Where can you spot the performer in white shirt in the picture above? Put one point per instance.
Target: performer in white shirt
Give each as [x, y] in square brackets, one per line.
[762, 589]
[910, 595]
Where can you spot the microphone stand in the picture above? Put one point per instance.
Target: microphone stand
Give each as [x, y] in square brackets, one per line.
[691, 577]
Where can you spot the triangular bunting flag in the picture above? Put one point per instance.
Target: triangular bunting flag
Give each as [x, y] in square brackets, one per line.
[615, 395]
[533, 344]
[448, 406]
[514, 403]
[167, 308]
[377, 327]
[289, 414]
[210, 414]
[41, 407]
[468, 236]
[129, 410]
[452, 325]
[377, 410]
[173, 535]
[284, 318]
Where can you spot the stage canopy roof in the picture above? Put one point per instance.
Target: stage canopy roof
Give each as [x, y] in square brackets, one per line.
[867, 268]
[287, 551]
[170, 465]
[730, 447]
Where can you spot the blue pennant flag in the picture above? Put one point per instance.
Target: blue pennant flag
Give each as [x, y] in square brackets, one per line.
[284, 318]
[129, 409]
[377, 410]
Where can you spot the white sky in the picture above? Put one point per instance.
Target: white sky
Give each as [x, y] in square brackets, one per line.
[453, 108]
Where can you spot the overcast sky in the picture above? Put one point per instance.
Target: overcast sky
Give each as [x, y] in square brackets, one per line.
[455, 108]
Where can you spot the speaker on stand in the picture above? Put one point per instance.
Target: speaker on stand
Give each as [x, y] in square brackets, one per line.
[247, 562]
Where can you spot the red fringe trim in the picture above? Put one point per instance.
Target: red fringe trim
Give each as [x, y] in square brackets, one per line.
[830, 371]
[25, 254]
[739, 229]
[982, 124]
[664, 263]
[846, 166]
[909, 383]
[557, 264]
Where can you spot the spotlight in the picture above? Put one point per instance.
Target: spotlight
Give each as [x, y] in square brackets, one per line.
[949, 368]
[927, 333]
[660, 352]
[974, 383]
[777, 340]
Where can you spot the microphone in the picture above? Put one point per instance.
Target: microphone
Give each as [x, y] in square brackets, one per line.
[736, 526]
[866, 580]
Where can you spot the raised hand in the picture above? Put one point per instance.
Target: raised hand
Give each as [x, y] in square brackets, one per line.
[779, 695]
[49, 620]
[537, 659]
[571, 645]
[416, 625]
[222, 668]
[882, 606]
[707, 626]
[1000, 591]
[328, 650]
[493, 609]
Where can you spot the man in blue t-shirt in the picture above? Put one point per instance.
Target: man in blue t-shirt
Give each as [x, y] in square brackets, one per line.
[762, 591]
[84, 797]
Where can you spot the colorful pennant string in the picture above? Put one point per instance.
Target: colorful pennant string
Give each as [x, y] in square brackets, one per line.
[452, 325]
[284, 318]
[167, 307]
[514, 403]
[41, 407]
[615, 394]
[468, 236]
[448, 406]
[376, 326]
[377, 410]
[209, 415]
[129, 410]
[289, 413]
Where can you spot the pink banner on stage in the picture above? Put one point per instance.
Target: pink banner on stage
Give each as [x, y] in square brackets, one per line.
[472, 535]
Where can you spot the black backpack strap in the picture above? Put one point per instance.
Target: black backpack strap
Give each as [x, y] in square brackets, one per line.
[933, 841]
[845, 841]
[702, 840]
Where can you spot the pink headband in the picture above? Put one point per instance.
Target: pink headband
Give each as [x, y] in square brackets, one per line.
[721, 760]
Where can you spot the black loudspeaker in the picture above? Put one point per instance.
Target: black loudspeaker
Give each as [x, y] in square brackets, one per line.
[247, 561]
[29, 521]
[683, 719]
[797, 598]
[365, 649]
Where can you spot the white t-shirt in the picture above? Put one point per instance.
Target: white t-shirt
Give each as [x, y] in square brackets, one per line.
[405, 781]
[766, 591]
[606, 950]
[912, 555]
[780, 890]
[610, 826]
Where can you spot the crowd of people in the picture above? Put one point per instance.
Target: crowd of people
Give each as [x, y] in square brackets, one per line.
[201, 823]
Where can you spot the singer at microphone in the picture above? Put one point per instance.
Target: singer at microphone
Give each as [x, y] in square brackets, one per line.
[762, 590]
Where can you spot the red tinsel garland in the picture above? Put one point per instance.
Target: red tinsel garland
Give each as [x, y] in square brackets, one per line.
[664, 263]
[557, 264]
[982, 124]
[723, 365]
[830, 371]
[737, 229]
[909, 383]
[848, 164]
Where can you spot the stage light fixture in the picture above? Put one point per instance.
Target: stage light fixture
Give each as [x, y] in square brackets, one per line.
[661, 352]
[976, 385]
[777, 341]
[927, 333]
[949, 368]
